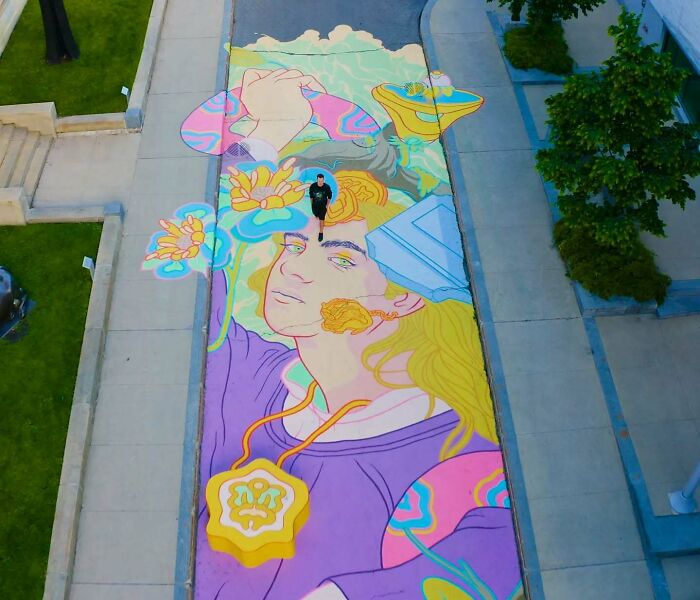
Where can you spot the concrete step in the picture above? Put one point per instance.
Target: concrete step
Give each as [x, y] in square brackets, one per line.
[9, 160]
[24, 159]
[36, 166]
[5, 136]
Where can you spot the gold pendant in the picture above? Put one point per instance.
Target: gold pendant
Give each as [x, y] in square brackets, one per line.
[255, 512]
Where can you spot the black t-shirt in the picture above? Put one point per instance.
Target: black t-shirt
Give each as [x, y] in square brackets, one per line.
[320, 193]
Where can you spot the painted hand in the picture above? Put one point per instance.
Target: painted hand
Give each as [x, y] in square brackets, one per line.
[275, 101]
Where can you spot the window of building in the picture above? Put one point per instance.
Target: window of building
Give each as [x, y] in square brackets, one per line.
[689, 97]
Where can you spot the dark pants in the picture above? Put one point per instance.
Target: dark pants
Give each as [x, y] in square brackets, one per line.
[319, 209]
[59, 37]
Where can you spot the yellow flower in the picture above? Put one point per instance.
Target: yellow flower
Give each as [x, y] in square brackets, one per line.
[183, 241]
[342, 315]
[354, 188]
[264, 189]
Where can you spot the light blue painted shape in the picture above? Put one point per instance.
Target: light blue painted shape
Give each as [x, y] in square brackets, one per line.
[421, 250]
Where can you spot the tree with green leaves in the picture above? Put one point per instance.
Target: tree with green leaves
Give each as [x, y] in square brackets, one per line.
[616, 150]
[545, 12]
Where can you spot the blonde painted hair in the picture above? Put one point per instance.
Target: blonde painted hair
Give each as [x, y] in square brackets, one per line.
[446, 359]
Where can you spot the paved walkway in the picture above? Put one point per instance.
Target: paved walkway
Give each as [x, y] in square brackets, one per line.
[128, 526]
[587, 541]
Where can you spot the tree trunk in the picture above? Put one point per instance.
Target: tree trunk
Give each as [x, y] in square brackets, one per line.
[60, 43]
[516, 8]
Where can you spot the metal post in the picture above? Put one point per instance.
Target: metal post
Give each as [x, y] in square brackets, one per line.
[682, 501]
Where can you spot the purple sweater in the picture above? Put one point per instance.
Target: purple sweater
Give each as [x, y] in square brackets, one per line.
[354, 489]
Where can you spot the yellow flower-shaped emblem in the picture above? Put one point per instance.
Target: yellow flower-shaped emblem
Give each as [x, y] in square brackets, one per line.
[265, 189]
[181, 242]
[255, 512]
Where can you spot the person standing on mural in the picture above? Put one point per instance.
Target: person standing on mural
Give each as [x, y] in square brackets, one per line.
[320, 194]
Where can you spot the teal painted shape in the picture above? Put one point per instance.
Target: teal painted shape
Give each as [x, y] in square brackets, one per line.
[421, 250]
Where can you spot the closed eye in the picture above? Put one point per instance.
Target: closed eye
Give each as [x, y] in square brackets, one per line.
[341, 261]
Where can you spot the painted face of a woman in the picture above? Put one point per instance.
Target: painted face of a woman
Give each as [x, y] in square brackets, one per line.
[308, 273]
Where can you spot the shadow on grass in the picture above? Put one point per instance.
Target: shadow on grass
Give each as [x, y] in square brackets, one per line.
[37, 377]
[110, 36]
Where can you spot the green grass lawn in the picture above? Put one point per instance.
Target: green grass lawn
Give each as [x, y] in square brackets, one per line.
[37, 377]
[110, 36]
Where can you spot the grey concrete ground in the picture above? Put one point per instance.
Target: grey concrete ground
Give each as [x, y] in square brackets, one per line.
[585, 531]
[128, 526]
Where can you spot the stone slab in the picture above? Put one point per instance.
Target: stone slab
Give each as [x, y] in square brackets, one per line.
[185, 65]
[668, 450]
[652, 394]
[531, 295]
[139, 93]
[95, 122]
[171, 175]
[459, 16]
[632, 341]
[536, 96]
[192, 18]
[589, 529]
[587, 36]
[147, 357]
[485, 66]
[153, 304]
[556, 401]
[13, 206]
[126, 547]
[140, 414]
[570, 463]
[497, 125]
[504, 189]
[88, 591]
[504, 249]
[38, 116]
[133, 478]
[602, 582]
[683, 576]
[543, 346]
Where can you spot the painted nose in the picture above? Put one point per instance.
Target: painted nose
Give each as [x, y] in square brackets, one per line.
[295, 270]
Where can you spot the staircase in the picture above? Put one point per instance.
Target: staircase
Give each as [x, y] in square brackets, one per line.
[22, 157]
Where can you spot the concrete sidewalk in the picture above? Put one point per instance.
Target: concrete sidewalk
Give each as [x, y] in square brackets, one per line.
[588, 543]
[127, 537]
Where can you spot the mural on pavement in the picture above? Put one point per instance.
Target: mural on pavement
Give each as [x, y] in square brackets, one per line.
[349, 447]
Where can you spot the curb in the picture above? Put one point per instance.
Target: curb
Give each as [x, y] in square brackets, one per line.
[189, 480]
[136, 110]
[532, 578]
[64, 534]
[41, 116]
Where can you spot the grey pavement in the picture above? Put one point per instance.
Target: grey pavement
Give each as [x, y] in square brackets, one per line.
[129, 520]
[587, 539]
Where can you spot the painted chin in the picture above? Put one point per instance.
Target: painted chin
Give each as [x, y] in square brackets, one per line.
[285, 315]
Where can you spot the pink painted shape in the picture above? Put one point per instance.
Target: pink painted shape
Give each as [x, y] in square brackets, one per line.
[208, 127]
[453, 482]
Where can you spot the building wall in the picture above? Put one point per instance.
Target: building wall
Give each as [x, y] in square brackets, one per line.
[680, 17]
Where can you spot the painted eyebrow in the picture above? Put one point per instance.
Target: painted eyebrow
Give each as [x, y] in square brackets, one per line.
[343, 244]
[296, 235]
